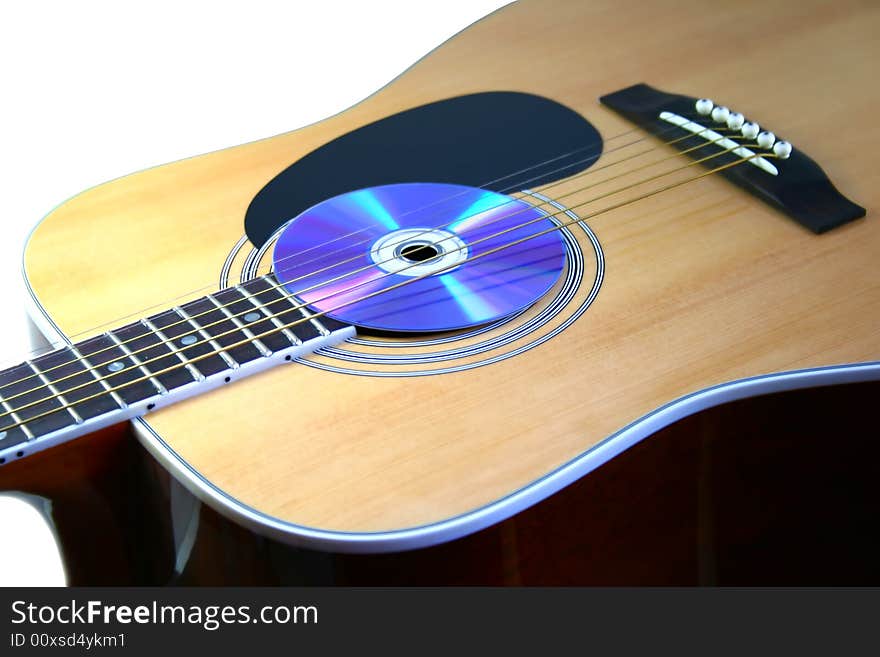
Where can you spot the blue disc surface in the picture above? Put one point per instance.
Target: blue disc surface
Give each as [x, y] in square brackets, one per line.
[419, 257]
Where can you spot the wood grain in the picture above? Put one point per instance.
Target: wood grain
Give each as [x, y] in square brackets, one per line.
[704, 284]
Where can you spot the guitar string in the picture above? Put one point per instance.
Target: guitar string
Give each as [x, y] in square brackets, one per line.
[370, 266]
[190, 361]
[165, 304]
[373, 294]
[324, 283]
[512, 189]
[341, 276]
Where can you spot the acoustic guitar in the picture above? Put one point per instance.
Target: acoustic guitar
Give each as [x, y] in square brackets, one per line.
[573, 300]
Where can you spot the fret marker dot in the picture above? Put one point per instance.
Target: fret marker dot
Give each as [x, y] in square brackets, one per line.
[252, 317]
[115, 367]
[2, 435]
[188, 339]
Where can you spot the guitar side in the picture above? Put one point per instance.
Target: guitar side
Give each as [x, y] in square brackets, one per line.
[739, 494]
[709, 296]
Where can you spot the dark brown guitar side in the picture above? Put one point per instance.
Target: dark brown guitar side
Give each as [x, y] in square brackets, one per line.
[703, 287]
[778, 490]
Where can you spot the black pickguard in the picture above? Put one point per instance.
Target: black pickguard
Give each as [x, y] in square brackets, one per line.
[503, 141]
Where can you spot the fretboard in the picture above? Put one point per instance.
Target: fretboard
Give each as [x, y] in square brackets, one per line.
[142, 366]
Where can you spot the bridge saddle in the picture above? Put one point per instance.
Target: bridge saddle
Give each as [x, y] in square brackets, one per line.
[772, 170]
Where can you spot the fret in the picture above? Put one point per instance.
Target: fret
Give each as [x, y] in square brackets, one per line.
[190, 345]
[197, 375]
[30, 404]
[323, 325]
[285, 307]
[127, 372]
[255, 320]
[258, 298]
[12, 435]
[226, 301]
[102, 381]
[312, 319]
[222, 330]
[73, 379]
[155, 356]
[298, 305]
[206, 336]
[162, 390]
[116, 369]
[61, 398]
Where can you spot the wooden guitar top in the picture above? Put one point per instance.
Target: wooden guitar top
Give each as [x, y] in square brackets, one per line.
[702, 285]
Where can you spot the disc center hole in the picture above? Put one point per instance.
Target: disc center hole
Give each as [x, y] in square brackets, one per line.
[419, 252]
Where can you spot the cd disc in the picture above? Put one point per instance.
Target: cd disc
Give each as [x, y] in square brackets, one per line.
[419, 257]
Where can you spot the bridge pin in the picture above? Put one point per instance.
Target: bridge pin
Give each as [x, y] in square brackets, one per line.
[782, 149]
[720, 114]
[750, 130]
[704, 106]
[766, 139]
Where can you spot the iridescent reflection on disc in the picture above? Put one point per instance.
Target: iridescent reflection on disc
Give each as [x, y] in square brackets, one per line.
[438, 239]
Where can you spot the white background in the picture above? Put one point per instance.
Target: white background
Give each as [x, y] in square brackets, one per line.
[90, 91]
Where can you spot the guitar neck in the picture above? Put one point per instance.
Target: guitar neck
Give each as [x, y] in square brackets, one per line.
[156, 361]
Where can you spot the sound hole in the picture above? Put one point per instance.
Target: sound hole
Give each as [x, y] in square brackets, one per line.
[418, 252]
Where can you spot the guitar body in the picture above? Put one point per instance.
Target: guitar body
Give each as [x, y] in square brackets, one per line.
[740, 494]
[686, 300]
